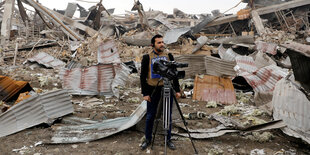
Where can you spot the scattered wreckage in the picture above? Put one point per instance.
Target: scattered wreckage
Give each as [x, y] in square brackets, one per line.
[264, 49]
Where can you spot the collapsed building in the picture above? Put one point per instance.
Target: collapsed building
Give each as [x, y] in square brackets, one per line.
[264, 49]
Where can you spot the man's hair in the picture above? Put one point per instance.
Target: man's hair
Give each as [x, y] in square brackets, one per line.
[153, 39]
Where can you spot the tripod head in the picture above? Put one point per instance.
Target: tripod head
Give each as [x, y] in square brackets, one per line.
[168, 69]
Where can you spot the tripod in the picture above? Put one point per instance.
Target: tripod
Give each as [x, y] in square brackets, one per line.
[166, 104]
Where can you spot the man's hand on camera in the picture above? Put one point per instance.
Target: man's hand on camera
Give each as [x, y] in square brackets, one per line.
[147, 98]
[178, 95]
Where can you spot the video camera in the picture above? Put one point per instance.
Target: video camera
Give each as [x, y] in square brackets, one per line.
[168, 69]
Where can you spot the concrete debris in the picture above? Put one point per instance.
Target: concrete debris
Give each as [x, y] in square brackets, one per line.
[257, 152]
[211, 104]
[260, 137]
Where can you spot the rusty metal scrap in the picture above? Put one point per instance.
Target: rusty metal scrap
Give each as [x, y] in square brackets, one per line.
[10, 89]
[212, 88]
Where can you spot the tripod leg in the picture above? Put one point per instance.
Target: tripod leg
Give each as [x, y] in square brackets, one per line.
[184, 122]
[157, 118]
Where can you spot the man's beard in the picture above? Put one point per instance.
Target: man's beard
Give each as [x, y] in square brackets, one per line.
[160, 49]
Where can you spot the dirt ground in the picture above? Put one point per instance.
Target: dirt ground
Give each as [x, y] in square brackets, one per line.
[127, 142]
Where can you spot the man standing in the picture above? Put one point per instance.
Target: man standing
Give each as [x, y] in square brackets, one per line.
[150, 92]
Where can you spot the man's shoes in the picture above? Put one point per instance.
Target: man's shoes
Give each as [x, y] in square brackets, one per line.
[171, 145]
[145, 144]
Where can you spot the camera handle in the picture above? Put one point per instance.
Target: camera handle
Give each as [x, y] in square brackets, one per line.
[165, 104]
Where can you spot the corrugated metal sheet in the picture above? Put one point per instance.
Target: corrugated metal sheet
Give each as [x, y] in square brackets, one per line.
[90, 132]
[122, 76]
[73, 64]
[292, 106]
[219, 67]
[245, 64]
[94, 80]
[264, 47]
[196, 64]
[160, 18]
[200, 42]
[212, 88]
[47, 60]
[173, 35]
[263, 60]
[108, 53]
[227, 54]
[298, 47]
[35, 110]
[10, 89]
[264, 79]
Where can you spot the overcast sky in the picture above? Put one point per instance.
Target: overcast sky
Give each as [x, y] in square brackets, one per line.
[187, 6]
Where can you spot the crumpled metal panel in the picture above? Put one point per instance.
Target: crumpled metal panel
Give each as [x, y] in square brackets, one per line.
[94, 80]
[196, 64]
[95, 131]
[219, 67]
[212, 88]
[245, 64]
[292, 106]
[121, 77]
[264, 79]
[10, 89]
[35, 110]
[264, 47]
[160, 18]
[47, 60]
[108, 53]
[173, 35]
[227, 54]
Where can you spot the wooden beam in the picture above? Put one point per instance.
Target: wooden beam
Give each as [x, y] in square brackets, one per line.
[91, 32]
[22, 12]
[223, 20]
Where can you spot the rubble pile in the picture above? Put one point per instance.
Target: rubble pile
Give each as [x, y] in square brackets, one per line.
[247, 79]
